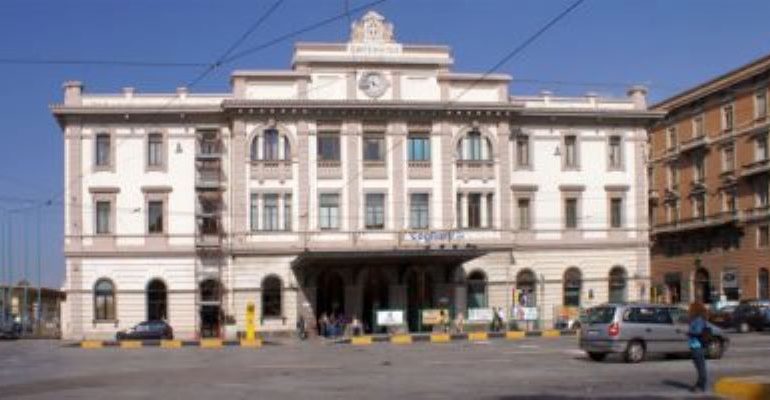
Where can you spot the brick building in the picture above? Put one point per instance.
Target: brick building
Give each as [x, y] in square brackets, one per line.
[708, 172]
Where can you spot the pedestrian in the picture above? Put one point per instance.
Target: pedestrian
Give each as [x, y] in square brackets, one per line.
[698, 336]
[459, 323]
[501, 318]
[323, 325]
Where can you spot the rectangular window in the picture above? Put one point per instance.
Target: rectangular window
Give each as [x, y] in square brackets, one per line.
[524, 214]
[270, 212]
[329, 211]
[729, 203]
[103, 212]
[570, 213]
[763, 236]
[474, 146]
[287, 212]
[615, 153]
[375, 211]
[419, 211]
[374, 148]
[728, 159]
[727, 117]
[155, 216]
[761, 151]
[270, 145]
[673, 177]
[102, 150]
[155, 150]
[522, 151]
[760, 104]
[699, 166]
[697, 126]
[474, 210]
[419, 148]
[761, 191]
[699, 206]
[328, 148]
[570, 151]
[254, 212]
[616, 212]
[672, 138]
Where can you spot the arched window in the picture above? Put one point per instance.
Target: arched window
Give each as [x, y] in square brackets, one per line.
[477, 290]
[271, 297]
[526, 288]
[474, 147]
[273, 145]
[573, 283]
[104, 300]
[617, 285]
[763, 291]
[157, 304]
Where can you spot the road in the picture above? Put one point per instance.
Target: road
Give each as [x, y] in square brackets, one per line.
[537, 368]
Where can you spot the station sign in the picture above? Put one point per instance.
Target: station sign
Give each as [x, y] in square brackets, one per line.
[434, 236]
[435, 316]
[390, 317]
[480, 315]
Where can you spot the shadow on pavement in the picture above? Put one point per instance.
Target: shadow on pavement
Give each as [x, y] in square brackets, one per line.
[677, 384]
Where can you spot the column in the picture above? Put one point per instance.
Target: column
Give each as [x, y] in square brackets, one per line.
[239, 208]
[397, 134]
[503, 174]
[447, 162]
[303, 176]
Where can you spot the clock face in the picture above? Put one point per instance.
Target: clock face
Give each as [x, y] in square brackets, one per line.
[374, 84]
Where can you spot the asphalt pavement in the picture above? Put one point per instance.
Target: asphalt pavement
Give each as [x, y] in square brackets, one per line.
[534, 368]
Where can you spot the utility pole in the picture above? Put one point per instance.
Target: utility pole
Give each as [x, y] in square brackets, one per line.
[25, 278]
[2, 269]
[39, 276]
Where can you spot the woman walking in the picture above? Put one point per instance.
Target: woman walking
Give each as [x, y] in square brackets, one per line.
[698, 335]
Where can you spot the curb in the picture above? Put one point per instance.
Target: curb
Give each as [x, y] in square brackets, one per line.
[744, 388]
[438, 338]
[166, 344]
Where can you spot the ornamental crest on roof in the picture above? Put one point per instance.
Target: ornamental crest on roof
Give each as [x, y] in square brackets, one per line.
[372, 28]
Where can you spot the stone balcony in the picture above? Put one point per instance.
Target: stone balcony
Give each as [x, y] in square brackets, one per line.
[420, 170]
[705, 221]
[375, 170]
[271, 169]
[475, 169]
[694, 143]
[756, 168]
[329, 170]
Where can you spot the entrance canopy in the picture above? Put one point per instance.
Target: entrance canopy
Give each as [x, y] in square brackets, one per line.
[385, 257]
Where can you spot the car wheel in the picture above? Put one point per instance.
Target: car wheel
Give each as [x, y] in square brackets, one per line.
[597, 356]
[634, 352]
[715, 349]
[744, 327]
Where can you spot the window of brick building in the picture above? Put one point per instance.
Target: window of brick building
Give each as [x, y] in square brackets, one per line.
[728, 117]
[763, 236]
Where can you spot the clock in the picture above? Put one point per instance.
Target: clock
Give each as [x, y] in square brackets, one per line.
[373, 83]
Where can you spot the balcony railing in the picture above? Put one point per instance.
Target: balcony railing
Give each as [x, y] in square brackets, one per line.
[209, 179]
[420, 170]
[756, 167]
[327, 169]
[756, 213]
[694, 143]
[271, 169]
[209, 150]
[700, 222]
[375, 170]
[475, 169]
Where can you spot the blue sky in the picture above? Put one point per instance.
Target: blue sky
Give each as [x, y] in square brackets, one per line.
[667, 44]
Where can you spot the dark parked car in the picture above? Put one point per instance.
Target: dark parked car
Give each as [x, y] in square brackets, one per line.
[723, 317]
[10, 329]
[751, 315]
[147, 330]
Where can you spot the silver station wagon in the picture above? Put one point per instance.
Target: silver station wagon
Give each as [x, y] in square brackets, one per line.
[635, 330]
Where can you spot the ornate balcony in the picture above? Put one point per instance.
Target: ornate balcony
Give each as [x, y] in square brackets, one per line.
[329, 170]
[756, 168]
[271, 169]
[209, 179]
[375, 170]
[475, 169]
[756, 213]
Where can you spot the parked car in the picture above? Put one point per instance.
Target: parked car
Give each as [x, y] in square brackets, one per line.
[635, 330]
[147, 330]
[723, 317]
[10, 329]
[751, 315]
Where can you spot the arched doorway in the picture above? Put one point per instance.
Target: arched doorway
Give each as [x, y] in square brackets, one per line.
[210, 294]
[702, 286]
[419, 288]
[375, 297]
[573, 285]
[526, 288]
[331, 294]
[617, 285]
[157, 301]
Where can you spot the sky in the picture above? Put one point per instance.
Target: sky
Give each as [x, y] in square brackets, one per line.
[603, 46]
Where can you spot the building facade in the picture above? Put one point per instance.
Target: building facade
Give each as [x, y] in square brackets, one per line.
[709, 204]
[367, 177]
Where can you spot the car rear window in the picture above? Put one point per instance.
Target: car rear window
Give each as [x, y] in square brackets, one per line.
[600, 315]
[647, 315]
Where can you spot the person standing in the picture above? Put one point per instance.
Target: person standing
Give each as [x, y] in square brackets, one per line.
[697, 340]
